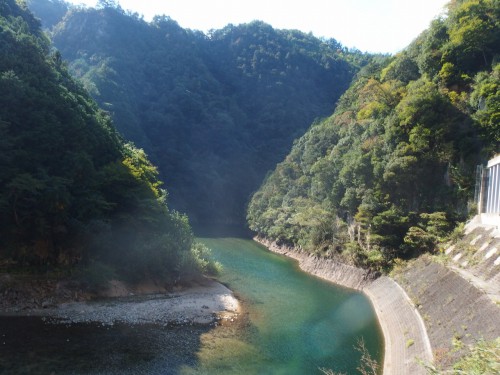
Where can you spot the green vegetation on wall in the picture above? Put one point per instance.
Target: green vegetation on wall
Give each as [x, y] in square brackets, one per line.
[392, 171]
[73, 193]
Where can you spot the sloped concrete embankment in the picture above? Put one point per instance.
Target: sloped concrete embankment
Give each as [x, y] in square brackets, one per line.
[406, 341]
[476, 257]
[407, 344]
[453, 308]
[459, 299]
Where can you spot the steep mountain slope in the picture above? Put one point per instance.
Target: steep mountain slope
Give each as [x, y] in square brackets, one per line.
[214, 112]
[50, 12]
[73, 193]
[393, 169]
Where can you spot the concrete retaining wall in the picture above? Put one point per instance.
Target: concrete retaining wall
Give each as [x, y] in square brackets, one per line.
[406, 341]
[452, 307]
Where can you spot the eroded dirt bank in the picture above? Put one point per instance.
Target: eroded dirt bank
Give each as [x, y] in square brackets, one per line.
[27, 292]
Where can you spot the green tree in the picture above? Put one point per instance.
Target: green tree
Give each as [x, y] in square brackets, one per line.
[390, 173]
[74, 194]
[474, 32]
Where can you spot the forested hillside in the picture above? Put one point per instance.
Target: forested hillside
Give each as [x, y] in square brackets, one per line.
[393, 170]
[73, 193]
[215, 112]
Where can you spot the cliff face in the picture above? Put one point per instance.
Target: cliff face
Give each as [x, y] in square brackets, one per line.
[26, 293]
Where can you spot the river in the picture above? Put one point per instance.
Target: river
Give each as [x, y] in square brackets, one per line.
[292, 323]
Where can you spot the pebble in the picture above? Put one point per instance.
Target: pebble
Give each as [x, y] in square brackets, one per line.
[164, 310]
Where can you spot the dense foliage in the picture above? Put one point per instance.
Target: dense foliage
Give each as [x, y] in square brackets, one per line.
[392, 170]
[215, 112]
[50, 12]
[72, 192]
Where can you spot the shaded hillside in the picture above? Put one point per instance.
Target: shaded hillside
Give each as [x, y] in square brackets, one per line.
[392, 171]
[215, 112]
[73, 193]
[50, 12]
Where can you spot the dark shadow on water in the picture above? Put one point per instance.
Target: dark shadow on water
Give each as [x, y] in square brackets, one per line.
[215, 230]
[28, 345]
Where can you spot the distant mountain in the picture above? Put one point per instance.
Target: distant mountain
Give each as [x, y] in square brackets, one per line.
[393, 170]
[73, 193]
[216, 111]
[50, 12]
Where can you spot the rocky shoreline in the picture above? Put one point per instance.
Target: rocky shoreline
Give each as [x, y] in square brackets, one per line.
[24, 293]
[400, 321]
[206, 302]
[328, 269]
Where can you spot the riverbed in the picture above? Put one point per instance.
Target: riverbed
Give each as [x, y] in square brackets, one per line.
[291, 323]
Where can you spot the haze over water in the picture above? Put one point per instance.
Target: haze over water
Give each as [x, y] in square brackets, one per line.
[296, 322]
[292, 323]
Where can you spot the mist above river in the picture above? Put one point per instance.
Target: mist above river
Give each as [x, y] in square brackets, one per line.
[291, 323]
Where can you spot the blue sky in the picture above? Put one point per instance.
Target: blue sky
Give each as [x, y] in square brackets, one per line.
[370, 25]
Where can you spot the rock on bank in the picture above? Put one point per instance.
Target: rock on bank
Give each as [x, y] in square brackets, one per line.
[202, 303]
[199, 304]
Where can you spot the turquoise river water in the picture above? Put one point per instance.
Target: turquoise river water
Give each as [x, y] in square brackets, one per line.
[291, 323]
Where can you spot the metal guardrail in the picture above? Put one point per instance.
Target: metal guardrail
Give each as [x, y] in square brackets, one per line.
[487, 194]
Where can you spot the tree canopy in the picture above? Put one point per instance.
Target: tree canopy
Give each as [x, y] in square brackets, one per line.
[391, 172]
[215, 112]
[73, 192]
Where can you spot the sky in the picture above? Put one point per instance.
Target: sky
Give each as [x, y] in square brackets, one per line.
[386, 26]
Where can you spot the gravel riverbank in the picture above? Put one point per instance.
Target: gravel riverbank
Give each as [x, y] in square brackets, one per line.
[203, 303]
